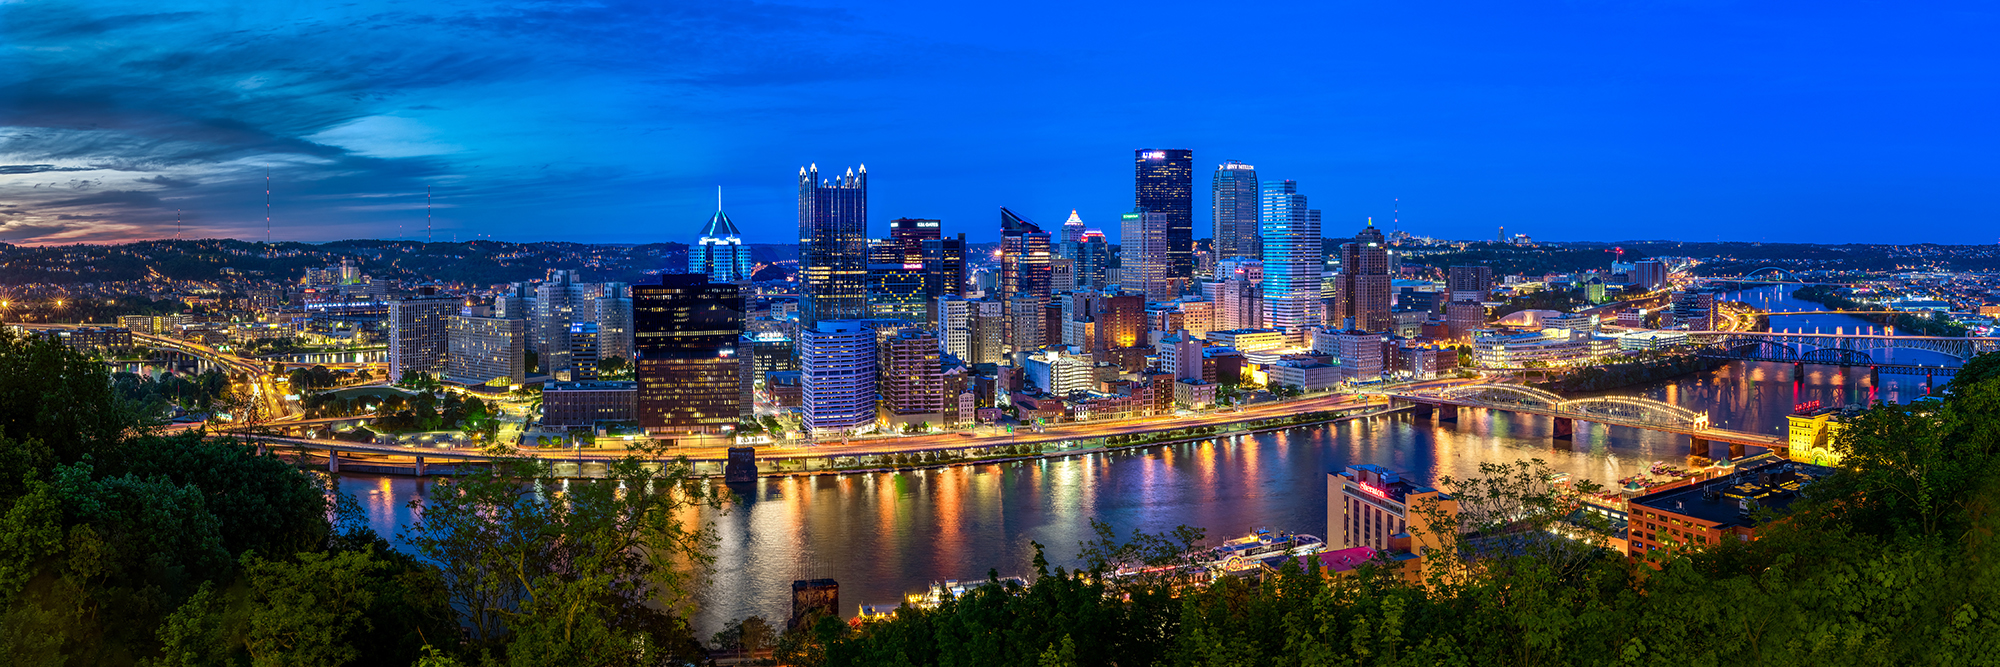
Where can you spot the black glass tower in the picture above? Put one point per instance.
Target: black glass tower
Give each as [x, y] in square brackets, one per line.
[833, 246]
[686, 332]
[1163, 182]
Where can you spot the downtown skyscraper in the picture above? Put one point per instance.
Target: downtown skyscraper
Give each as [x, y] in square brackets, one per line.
[1146, 246]
[1292, 257]
[1363, 301]
[1025, 271]
[833, 246]
[689, 367]
[719, 252]
[1235, 205]
[1163, 183]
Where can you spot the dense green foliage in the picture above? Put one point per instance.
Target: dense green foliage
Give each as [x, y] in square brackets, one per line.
[122, 547]
[1893, 560]
[1908, 324]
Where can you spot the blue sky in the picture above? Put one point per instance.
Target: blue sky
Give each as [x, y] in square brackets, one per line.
[615, 121]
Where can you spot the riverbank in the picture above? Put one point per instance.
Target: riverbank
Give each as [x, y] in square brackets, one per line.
[1908, 324]
[877, 456]
[1619, 376]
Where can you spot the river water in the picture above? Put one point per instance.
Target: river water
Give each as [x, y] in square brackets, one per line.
[883, 535]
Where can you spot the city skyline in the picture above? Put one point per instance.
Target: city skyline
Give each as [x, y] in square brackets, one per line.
[1565, 123]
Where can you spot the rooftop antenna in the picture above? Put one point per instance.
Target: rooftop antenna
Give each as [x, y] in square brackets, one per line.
[718, 198]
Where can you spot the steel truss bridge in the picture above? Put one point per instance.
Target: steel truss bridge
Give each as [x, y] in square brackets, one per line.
[1641, 413]
[1838, 349]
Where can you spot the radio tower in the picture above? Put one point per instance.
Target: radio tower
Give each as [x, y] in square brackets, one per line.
[427, 214]
[267, 213]
[177, 224]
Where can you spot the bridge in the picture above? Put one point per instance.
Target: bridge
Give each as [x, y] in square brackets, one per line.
[1443, 403]
[1839, 349]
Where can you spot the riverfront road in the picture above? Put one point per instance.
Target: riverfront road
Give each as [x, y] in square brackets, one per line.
[869, 446]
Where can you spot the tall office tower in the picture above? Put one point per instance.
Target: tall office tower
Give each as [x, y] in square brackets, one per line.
[1163, 182]
[687, 331]
[1072, 234]
[556, 301]
[837, 376]
[833, 246]
[1291, 258]
[1145, 241]
[1364, 283]
[912, 381]
[909, 234]
[719, 252]
[583, 351]
[417, 341]
[1237, 227]
[1093, 259]
[1468, 283]
[483, 350]
[988, 340]
[944, 266]
[896, 292]
[516, 301]
[884, 251]
[1024, 257]
[1025, 323]
[955, 324]
[771, 352]
[614, 320]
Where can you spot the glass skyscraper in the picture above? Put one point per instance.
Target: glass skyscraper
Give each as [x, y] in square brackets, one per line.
[687, 331]
[720, 253]
[1235, 203]
[833, 246]
[1163, 183]
[1291, 258]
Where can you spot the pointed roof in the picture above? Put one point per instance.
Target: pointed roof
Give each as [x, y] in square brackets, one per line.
[1073, 219]
[1013, 223]
[719, 227]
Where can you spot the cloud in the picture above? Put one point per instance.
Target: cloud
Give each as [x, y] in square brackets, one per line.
[36, 168]
[166, 181]
[375, 99]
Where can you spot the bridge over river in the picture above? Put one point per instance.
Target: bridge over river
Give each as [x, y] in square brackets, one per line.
[1442, 404]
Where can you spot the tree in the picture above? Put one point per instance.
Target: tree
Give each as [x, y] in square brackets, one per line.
[594, 570]
[304, 610]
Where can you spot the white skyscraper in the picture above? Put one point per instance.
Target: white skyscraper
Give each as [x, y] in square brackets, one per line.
[1292, 258]
[837, 376]
[1143, 250]
[417, 341]
[955, 324]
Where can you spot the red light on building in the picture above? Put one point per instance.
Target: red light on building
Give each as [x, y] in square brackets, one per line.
[1805, 408]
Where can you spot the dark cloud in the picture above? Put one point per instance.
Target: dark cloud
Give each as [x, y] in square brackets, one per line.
[166, 181]
[36, 168]
[128, 198]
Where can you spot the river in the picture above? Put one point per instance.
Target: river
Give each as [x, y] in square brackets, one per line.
[883, 535]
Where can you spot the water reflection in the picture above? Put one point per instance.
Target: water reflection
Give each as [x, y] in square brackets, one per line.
[881, 535]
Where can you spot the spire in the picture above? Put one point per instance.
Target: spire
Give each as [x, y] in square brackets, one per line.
[1073, 219]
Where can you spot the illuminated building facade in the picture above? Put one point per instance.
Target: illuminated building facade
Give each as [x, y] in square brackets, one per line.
[719, 252]
[1163, 183]
[912, 380]
[417, 342]
[909, 235]
[838, 373]
[486, 350]
[1363, 298]
[1146, 249]
[1236, 208]
[686, 333]
[1292, 258]
[833, 246]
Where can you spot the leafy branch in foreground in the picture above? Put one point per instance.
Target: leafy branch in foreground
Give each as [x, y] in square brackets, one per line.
[570, 571]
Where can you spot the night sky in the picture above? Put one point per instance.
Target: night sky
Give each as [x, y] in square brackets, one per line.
[615, 121]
